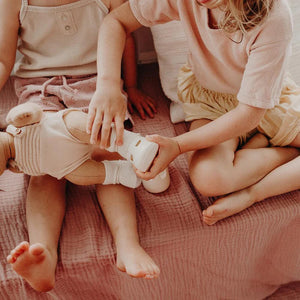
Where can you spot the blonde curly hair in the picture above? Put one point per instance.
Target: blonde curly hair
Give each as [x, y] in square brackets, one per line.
[244, 15]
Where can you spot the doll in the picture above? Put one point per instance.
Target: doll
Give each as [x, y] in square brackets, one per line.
[38, 143]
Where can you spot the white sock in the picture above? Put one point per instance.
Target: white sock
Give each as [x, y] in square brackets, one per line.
[120, 171]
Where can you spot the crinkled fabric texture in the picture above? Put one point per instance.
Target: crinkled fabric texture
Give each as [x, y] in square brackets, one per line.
[252, 255]
[281, 123]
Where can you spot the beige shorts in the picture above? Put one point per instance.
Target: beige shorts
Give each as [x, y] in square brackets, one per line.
[281, 123]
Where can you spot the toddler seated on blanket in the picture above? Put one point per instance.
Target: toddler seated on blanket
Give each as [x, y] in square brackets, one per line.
[57, 144]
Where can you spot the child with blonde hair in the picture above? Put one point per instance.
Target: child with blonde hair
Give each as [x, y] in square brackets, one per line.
[244, 111]
[58, 70]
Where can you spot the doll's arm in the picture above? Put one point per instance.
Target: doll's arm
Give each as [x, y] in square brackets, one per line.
[24, 114]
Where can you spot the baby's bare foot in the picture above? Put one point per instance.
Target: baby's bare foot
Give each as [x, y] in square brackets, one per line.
[228, 206]
[35, 264]
[136, 262]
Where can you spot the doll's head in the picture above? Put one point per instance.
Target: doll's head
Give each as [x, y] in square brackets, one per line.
[240, 15]
[5, 153]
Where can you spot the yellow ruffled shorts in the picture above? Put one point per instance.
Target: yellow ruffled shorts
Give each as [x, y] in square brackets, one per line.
[281, 123]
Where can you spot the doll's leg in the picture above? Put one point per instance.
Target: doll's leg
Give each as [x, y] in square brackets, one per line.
[45, 209]
[24, 114]
[105, 172]
[281, 180]
[136, 149]
[223, 169]
[118, 205]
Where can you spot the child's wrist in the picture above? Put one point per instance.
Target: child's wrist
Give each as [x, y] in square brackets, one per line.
[178, 146]
[108, 80]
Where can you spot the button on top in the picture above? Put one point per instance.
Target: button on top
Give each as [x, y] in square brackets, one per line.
[66, 22]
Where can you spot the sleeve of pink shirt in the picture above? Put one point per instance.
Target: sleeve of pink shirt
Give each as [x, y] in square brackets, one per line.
[151, 12]
[267, 61]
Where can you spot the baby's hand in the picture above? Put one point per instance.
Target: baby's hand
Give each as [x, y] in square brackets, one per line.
[168, 151]
[107, 106]
[142, 103]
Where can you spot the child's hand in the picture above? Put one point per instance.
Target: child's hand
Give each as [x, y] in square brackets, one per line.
[168, 151]
[142, 103]
[107, 105]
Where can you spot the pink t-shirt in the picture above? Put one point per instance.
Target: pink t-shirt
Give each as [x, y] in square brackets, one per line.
[252, 67]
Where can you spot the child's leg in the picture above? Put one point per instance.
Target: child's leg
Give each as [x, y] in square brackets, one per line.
[223, 169]
[45, 209]
[281, 180]
[118, 205]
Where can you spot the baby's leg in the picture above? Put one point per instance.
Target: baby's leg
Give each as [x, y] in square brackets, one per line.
[223, 169]
[45, 208]
[118, 205]
[281, 180]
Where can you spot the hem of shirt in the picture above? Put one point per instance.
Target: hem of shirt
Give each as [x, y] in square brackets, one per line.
[137, 15]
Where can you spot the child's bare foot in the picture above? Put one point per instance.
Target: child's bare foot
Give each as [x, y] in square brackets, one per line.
[35, 264]
[136, 262]
[227, 206]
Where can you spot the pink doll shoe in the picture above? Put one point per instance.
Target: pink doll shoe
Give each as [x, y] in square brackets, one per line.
[159, 183]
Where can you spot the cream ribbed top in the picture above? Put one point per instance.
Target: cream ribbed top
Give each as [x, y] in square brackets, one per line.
[27, 148]
[48, 147]
[60, 40]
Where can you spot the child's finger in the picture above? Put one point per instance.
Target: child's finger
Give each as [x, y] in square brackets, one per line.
[95, 128]
[90, 120]
[130, 108]
[119, 123]
[152, 104]
[148, 110]
[105, 132]
[140, 110]
[155, 138]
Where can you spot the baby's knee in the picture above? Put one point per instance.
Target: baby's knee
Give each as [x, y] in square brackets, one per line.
[210, 181]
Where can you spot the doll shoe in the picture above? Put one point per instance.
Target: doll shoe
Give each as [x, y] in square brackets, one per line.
[159, 183]
[136, 149]
[141, 153]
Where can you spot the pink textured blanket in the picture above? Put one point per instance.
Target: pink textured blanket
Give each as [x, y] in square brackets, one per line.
[253, 255]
